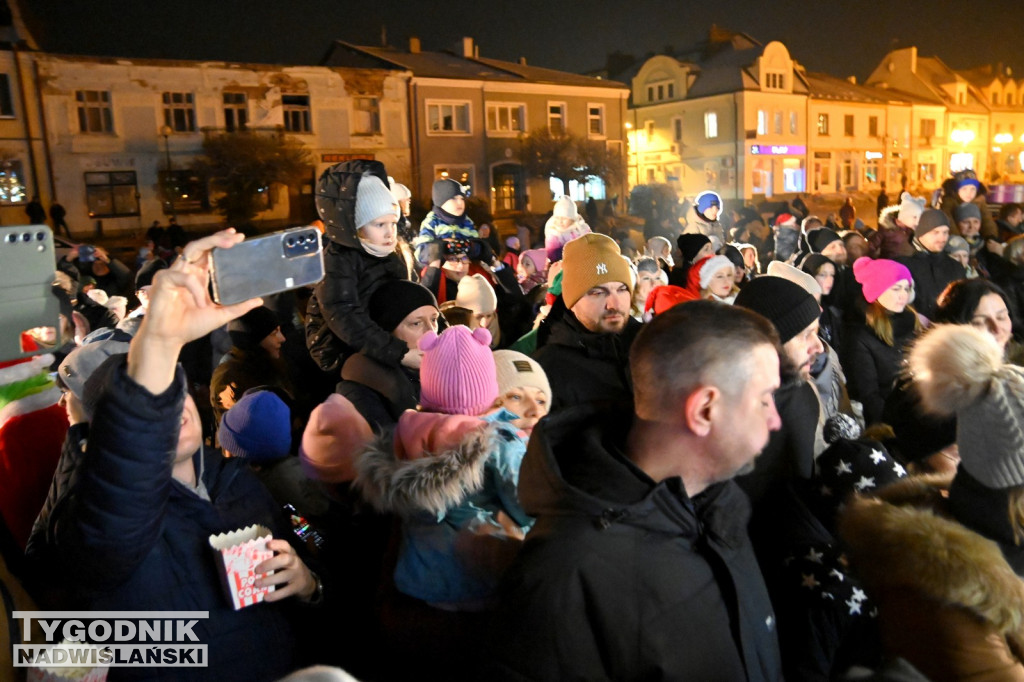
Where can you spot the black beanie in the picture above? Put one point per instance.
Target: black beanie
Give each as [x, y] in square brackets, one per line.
[444, 190]
[786, 304]
[821, 237]
[813, 263]
[247, 331]
[691, 244]
[734, 256]
[930, 219]
[144, 277]
[394, 300]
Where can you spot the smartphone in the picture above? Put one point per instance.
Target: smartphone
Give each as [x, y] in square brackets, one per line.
[266, 265]
[28, 308]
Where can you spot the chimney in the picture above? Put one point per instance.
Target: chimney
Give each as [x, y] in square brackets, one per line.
[414, 45]
[522, 61]
[467, 48]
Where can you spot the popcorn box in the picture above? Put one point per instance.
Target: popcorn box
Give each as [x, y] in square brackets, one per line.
[238, 554]
[63, 673]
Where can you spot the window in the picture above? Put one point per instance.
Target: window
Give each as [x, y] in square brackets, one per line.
[367, 116]
[649, 130]
[6, 103]
[651, 176]
[846, 172]
[462, 174]
[873, 126]
[661, 92]
[710, 124]
[650, 93]
[775, 80]
[296, 113]
[671, 90]
[778, 122]
[995, 98]
[927, 127]
[792, 123]
[111, 194]
[762, 122]
[961, 98]
[447, 117]
[926, 172]
[556, 118]
[677, 129]
[184, 192]
[595, 120]
[506, 118]
[848, 125]
[871, 170]
[179, 113]
[823, 124]
[12, 183]
[236, 111]
[1009, 99]
[94, 112]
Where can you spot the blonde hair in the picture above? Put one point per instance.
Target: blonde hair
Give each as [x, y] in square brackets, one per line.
[1015, 511]
[878, 320]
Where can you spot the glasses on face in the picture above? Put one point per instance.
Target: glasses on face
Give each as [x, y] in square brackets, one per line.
[456, 259]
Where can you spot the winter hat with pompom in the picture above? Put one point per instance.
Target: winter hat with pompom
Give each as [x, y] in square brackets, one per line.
[910, 208]
[457, 375]
[959, 370]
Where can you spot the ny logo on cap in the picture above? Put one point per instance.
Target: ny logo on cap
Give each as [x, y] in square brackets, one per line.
[602, 269]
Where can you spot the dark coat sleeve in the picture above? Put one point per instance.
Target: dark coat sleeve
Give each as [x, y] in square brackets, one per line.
[116, 504]
[344, 308]
[862, 374]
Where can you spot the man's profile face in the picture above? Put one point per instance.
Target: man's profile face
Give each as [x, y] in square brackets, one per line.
[835, 251]
[747, 420]
[803, 348]
[604, 309]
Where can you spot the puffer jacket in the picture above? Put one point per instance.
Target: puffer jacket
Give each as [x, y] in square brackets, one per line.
[450, 478]
[951, 201]
[890, 240]
[122, 535]
[436, 226]
[932, 273]
[872, 366]
[949, 603]
[622, 578]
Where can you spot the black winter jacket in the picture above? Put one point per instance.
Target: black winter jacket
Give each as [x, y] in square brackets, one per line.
[584, 366]
[872, 365]
[126, 536]
[379, 393]
[623, 578]
[932, 272]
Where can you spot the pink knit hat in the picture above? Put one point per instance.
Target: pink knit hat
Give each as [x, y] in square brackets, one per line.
[875, 276]
[457, 375]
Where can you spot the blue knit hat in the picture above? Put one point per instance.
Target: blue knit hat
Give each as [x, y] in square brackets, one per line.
[706, 200]
[257, 428]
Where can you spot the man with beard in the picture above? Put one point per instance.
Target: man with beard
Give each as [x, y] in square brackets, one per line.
[638, 566]
[586, 354]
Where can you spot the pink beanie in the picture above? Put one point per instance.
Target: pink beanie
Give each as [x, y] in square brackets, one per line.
[335, 434]
[875, 276]
[539, 258]
[457, 375]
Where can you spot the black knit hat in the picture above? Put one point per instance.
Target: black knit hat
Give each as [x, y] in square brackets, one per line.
[930, 219]
[820, 238]
[445, 189]
[144, 277]
[691, 244]
[813, 263]
[394, 300]
[786, 304]
[734, 256]
[247, 331]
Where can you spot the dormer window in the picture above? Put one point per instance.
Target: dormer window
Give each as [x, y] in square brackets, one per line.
[774, 80]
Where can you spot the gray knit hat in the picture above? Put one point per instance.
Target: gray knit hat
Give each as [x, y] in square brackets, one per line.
[959, 370]
[373, 199]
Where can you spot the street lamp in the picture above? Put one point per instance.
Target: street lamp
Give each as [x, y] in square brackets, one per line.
[166, 131]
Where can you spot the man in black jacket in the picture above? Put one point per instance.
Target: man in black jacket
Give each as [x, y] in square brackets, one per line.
[639, 566]
[931, 267]
[586, 353]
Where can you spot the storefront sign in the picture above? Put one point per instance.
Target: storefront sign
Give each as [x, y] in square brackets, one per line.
[778, 149]
[338, 158]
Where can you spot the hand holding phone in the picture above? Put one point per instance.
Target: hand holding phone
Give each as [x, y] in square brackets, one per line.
[267, 265]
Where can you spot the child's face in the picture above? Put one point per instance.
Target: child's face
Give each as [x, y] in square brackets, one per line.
[969, 227]
[381, 231]
[529, 403]
[962, 257]
[722, 281]
[456, 205]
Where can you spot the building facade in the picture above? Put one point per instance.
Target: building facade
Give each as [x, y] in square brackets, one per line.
[469, 116]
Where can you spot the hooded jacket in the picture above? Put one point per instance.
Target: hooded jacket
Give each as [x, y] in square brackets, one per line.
[932, 272]
[623, 578]
[587, 366]
[951, 201]
[948, 600]
[448, 477]
[337, 323]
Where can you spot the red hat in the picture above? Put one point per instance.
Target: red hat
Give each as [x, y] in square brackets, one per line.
[666, 296]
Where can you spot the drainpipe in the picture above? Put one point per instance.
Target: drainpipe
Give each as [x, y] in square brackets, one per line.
[414, 138]
[45, 132]
[28, 128]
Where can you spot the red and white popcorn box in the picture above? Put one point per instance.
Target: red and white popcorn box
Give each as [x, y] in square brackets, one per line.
[239, 553]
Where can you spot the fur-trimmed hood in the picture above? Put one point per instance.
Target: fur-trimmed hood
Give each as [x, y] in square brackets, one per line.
[901, 540]
[433, 481]
[887, 218]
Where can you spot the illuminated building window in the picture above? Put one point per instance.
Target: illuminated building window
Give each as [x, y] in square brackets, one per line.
[506, 118]
[556, 118]
[710, 125]
[112, 194]
[595, 120]
[12, 182]
[823, 124]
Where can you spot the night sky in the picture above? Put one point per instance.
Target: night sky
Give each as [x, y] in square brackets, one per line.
[840, 38]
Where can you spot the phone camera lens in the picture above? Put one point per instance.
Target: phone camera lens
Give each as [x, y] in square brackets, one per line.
[26, 237]
[290, 242]
[12, 238]
[40, 236]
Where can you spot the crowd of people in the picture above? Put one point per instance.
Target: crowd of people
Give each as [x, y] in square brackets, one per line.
[747, 450]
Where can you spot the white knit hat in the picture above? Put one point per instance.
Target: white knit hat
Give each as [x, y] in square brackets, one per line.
[398, 190]
[710, 267]
[959, 370]
[477, 294]
[373, 200]
[565, 207]
[795, 275]
[910, 208]
[515, 369]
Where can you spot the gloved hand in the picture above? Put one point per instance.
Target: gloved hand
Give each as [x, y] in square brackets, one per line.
[480, 250]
